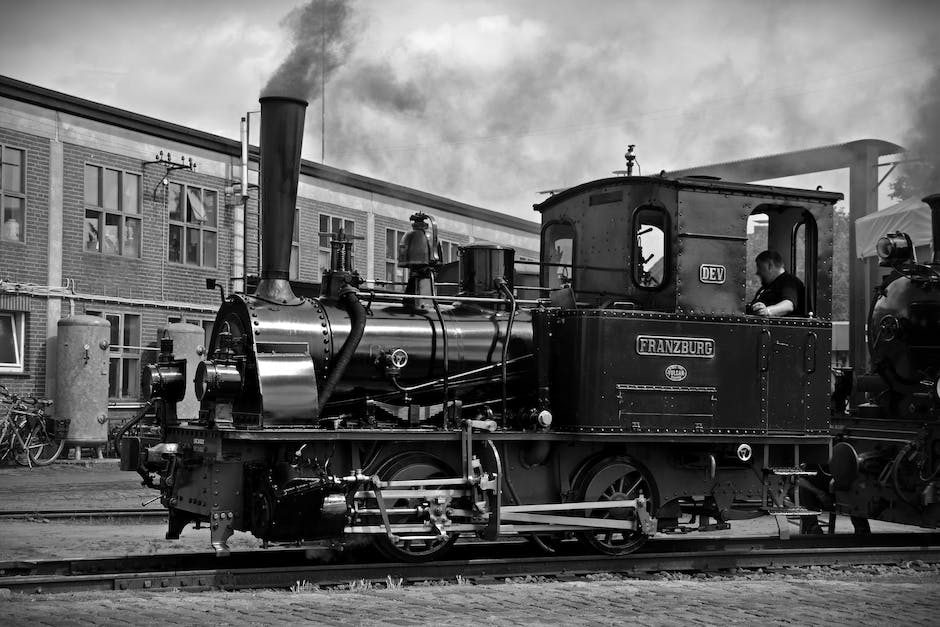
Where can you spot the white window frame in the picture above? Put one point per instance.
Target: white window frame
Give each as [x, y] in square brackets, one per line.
[184, 225]
[124, 213]
[21, 195]
[400, 275]
[294, 268]
[123, 353]
[18, 323]
[449, 251]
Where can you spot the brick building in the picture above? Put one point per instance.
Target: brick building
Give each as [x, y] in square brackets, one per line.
[94, 221]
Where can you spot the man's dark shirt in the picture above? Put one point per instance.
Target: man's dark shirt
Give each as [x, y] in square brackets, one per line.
[785, 287]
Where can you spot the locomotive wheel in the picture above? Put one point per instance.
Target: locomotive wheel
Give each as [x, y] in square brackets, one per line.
[410, 467]
[615, 479]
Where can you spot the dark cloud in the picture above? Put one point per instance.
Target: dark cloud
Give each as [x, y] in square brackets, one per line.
[922, 176]
[377, 84]
[487, 101]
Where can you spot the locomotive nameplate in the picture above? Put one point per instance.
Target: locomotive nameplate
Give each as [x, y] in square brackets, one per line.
[712, 273]
[668, 346]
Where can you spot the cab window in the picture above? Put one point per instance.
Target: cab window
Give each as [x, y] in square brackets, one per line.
[803, 247]
[650, 258]
[557, 254]
[790, 231]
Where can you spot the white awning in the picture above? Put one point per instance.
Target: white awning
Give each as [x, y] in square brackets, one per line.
[911, 216]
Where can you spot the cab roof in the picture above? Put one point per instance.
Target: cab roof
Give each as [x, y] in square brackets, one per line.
[706, 184]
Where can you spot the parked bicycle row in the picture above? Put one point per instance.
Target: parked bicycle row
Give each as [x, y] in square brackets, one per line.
[28, 435]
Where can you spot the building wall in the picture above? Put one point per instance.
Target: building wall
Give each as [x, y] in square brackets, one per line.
[26, 261]
[60, 144]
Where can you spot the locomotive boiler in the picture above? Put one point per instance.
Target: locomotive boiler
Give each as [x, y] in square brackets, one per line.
[632, 394]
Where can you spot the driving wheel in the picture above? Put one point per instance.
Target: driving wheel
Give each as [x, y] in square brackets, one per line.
[418, 546]
[616, 479]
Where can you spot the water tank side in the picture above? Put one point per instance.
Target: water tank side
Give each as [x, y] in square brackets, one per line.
[189, 344]
[82, 377]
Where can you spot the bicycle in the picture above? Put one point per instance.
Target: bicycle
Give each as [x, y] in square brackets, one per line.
[26, 433]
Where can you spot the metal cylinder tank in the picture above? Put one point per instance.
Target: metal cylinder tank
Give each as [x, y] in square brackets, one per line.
[189, 344]
[481, 265]
[81, 393]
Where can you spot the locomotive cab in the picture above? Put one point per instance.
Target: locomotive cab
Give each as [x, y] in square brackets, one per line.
[658, 270]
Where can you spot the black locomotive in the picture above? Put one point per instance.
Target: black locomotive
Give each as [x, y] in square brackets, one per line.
[885, 461]
[631, 394]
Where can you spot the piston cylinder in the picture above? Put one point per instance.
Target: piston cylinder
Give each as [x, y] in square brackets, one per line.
[82, 378]
[481, 265]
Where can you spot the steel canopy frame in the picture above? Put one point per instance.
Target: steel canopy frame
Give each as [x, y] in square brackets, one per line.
[861, 157]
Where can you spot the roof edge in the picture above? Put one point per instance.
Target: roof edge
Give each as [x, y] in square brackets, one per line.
[128, 120]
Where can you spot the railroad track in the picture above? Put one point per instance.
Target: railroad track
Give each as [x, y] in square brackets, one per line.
[85, 514]
[477, 562]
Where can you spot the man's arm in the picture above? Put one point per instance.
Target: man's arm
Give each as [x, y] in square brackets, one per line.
[782, 308]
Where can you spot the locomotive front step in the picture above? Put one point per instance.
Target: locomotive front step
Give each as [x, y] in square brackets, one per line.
[781, 471]
[791, 511]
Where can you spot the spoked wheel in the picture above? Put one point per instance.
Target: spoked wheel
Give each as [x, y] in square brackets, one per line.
[5, 443]
[43, 449]
[20, 446]
[615, 479]
[422, 547]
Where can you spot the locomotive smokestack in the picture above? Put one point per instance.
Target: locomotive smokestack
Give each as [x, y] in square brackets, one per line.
[934, 202]
[282, 129]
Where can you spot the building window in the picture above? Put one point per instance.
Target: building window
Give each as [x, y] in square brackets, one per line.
[12, 335]
[295, 249]
[112, 211]
[12, 194]
[124, 367]
[330, 226]
[193, 235]
[449, 251]
[393, 274]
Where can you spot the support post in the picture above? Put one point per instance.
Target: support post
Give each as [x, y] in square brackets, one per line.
[863, 200]
[54, 260]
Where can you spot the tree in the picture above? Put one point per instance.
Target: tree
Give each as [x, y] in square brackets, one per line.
[841, 260]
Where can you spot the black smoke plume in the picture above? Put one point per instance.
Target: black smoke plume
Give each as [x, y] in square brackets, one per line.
[321, 34]
[921, 176]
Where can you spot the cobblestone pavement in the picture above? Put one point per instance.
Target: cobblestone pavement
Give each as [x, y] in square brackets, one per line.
[711, 601]
[71, 486]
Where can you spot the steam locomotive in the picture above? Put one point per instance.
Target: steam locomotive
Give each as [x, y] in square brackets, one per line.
[631, 394]
[885, 461]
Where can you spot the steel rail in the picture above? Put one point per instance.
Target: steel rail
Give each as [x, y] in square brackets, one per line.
[285, 568]
[92, 514]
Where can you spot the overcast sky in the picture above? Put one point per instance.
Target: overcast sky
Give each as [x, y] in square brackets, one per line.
[490, 101]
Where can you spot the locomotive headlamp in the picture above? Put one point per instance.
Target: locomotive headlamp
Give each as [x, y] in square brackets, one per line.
[895, 248]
